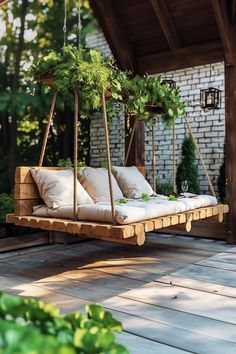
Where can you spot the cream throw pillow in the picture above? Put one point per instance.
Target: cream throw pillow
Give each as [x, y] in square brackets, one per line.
[56, 188]
[131, 182]
[95, 182]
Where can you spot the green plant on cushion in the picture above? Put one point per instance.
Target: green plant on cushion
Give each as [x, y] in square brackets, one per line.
[145, 197]
[42, 329]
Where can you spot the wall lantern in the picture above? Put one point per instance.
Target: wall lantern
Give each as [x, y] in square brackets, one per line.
[171, 83]
[210, 98]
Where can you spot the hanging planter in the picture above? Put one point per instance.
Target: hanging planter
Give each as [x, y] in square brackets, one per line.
[145, 97]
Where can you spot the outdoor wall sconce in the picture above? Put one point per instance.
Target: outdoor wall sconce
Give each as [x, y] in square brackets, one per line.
[210, 98]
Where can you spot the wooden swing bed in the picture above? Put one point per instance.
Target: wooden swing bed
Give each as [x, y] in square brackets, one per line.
[27, 196]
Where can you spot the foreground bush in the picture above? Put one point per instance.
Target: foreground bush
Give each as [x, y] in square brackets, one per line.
[30, 326]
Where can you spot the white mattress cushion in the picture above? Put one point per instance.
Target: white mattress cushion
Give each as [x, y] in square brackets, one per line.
[133, 211]
[95, 182]
[131, 182]
[56, 187]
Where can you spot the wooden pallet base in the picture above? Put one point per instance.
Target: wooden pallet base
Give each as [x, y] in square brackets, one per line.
[130, 234]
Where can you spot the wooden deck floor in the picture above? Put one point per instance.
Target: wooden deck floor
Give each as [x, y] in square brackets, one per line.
[174, 294]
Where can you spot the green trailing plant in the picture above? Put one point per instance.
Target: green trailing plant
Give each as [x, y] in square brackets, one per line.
[30, 326]
[148, 97]
[145, 97]
[6, 205]
[187, 169]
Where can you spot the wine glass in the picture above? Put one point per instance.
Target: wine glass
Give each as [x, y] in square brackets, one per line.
[184, 187]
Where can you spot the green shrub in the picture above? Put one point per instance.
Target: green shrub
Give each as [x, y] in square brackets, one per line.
[29, 326]
[187, 169]
[68, 163]
[164, 188]
[6, 205]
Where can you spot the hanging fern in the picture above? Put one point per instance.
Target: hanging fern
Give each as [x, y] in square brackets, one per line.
[145, 97]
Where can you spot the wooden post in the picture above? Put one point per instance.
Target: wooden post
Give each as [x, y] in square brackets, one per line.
[230, 122]
[137, 152]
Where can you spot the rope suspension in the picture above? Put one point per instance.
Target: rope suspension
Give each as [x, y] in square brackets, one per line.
[76, 118]
[200, 156]
[65, 22]
[46, 134]
[174, 159]
[79, 25]
[131, 141]
[154, 158]
[104, 111]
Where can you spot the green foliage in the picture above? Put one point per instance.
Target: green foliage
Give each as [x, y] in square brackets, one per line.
[172, 198]
[145, 197]
[221, 181]
[164, 188]
[89, 71]
[143, 92]
[6, 205]
[29, 326]
[122, 201]
[68, 163]
[187, 169]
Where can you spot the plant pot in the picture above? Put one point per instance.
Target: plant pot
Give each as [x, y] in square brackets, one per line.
[154, 108]
[46, 78]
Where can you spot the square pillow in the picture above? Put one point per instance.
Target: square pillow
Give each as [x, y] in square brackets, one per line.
[95, 182]
[131, 182]
[56, 187]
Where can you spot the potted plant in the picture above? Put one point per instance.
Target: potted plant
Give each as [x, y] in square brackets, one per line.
[145, 97]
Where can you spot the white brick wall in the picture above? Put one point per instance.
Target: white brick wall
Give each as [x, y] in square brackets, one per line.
[208, 127]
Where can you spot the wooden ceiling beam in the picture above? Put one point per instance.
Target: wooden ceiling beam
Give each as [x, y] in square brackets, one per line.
[223, 21]
[114, 32]
[181, 58]
[162, 12]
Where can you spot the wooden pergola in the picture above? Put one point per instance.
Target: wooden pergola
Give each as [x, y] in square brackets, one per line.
[155, 36]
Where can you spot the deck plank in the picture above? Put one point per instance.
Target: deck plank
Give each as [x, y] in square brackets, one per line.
[196, 284]
[175, 318]
[208, 274]
[175, 337]
[187, 300]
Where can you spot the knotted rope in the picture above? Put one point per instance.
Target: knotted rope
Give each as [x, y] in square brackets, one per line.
[45, 138]
[76, 118]
[200, 156]
[104, 111]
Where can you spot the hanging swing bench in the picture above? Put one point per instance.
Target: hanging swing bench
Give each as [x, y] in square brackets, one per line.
[27, 196]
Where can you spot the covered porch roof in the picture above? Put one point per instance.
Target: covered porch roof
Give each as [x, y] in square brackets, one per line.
[153, 36]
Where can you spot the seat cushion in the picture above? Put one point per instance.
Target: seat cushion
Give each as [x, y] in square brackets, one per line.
[131, 182]
[56, 188]
[95, 182]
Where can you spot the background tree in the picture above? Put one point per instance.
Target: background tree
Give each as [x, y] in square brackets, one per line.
[187, 169]
[28, 30]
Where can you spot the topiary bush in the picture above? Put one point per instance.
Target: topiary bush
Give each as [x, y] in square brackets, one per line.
[187, 169]
[29, 326]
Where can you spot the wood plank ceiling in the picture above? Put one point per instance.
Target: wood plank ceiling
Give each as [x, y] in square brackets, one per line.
[151, 36]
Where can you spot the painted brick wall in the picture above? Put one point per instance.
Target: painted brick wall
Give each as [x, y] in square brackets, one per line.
[208, 127]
